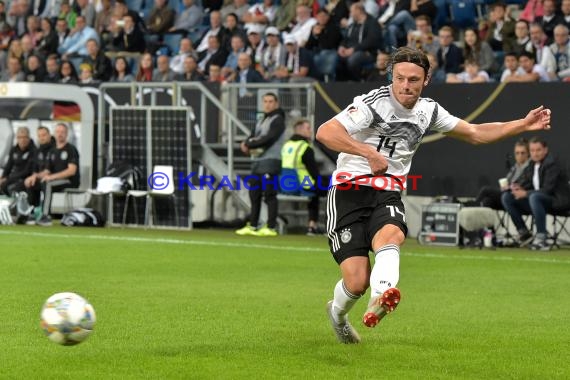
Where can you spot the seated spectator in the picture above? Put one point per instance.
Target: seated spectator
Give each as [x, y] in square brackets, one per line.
[189, 19]
[501, 29]
[511, 64]
[61, 31]
[67, 73]
[47, 43]
[436, 74]
[528, 70]
[396, 21]
[358, 49]
[162, 73]
[380, 72]
[27, 48]
[14, 72]
[538, 45]
[185, 49]
[237, 7]
[214, 29]
[285, 15]
[75, 44]
[86, 9]
[542, 188]
[255, 46]
[471, 74]
[41, 162]
[104, 22]
[52, 69]
[324, 40]
[213, 55]
[67, 13]
[215, 74]
[237, 47]
[449, 56]
[523, 42]
[145, 69]
[261, 14]
[127, 38]
[62, 171]
[86, 74]
[297, 63]
[34, 70]
[490, 196]
[479, 51]
[161, 17]
[120, 10]
[565, 13]
[190, 73]
[231, 28]
[304, 24]
[423, 38]
[99, 62]
[20, 164]
[298, 161]
[245, 74]
[557, 57]
[273, 56]
[549, 19]
[122, 71]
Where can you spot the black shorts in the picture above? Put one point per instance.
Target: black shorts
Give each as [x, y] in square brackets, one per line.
[354, 217]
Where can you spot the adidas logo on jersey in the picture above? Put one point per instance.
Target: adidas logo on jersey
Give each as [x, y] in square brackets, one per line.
[394, 117]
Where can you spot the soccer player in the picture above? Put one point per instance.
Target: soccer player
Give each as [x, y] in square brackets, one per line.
[377, 135]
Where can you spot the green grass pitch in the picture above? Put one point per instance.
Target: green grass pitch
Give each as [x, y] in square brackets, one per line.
[211, 305]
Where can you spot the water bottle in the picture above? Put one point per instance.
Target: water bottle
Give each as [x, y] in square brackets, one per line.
[488, 238]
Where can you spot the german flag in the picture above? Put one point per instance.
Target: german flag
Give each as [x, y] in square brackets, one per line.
[66, 111]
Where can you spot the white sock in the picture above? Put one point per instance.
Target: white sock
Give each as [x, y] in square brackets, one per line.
[343, 301]
[386, 271]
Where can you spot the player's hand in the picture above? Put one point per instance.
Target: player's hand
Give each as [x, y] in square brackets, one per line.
[378, 164]
[538, 119]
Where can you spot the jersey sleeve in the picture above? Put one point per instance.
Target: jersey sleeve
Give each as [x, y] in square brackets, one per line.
[73, 156]
[443, 120]
[356, 116]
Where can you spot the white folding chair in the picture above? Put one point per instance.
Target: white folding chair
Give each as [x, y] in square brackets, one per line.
[167, 191]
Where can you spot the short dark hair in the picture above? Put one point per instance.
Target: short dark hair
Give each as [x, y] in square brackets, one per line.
[300, 122]
[538, 140]
[412, 55]
[44, 128]
[273, 95]
[527, 54]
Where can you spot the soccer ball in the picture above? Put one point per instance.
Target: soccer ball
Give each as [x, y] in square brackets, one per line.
[67, 318]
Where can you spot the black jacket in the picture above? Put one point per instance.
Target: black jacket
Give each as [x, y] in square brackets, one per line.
[308, 158]
[368, 39]
[553, 181]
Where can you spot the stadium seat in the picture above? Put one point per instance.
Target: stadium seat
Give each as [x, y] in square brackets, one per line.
[168, 191]
[463, 13]
[559, 220]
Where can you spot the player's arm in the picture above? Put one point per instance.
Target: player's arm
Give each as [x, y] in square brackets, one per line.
[537, 119]
[334, 136]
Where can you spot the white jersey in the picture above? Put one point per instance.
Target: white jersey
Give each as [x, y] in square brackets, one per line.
[378, 119]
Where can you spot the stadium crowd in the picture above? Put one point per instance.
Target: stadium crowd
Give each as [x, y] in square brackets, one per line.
[86, 41]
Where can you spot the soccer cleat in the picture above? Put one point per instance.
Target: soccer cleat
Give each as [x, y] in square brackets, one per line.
[379, 306]
[345, 333]
[540, 245]
[247, 230]
[265, 231]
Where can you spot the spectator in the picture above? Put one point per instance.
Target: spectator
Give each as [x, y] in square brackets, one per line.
[396, 21]
[122, 71]
[214, 55]
[490, 196]
[565, 12]
[303, 26]
[339, 11]
[67, 73]
[380, 72]
[471, 74]
[162, 73]
[323, 42]
[523, 42]
[273, 56]
[103, 22]
[41, 162]
[539, 48]
[435, 74]
[298, 163]
[363, 39]
[549, 19]
[501, 29]
[62, 171]
[264, 146]
[245, 74]
[189, 19]
[17, 16]
[34, 71]
[86, 74]
[191, 73]
[120, 10]
[87, 10]
[479, 51]
[76, 42]
[62, 31]
[52, 69]
[255, 46]
[237, 7]
[542, 188]
[261, 14]
[528, 70]
[214, 29]
[557, 60]
[20, 164]
[185, 50]
[161, 17]
[27, 48]
[14, 72]
[47, 43]
[127, 37]
[297, 63]
[145, 69]
[215, 74]
[285, 15]
[449, 56]
[231, 28]
[511, 64]
[423, 38]
[99, 62]
[237, 47]
[68, 14]
[32, 29]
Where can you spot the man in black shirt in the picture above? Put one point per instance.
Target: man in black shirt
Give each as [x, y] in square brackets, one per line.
[41, 159]
[62, 171]
[20, 163]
